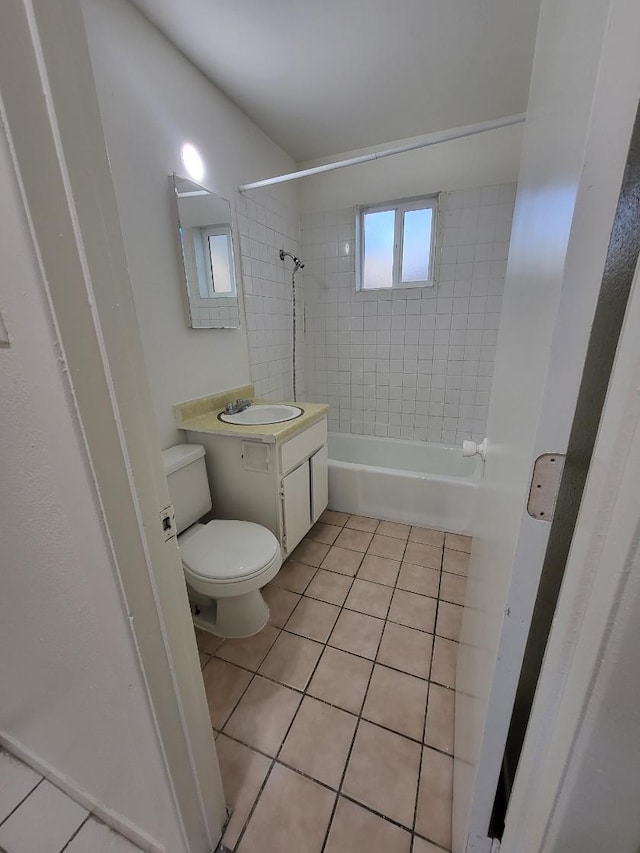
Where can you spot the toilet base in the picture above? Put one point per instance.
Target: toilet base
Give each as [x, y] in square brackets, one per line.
[232, 618]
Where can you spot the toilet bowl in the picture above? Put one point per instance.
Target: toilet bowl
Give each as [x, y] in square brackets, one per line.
[225, 563]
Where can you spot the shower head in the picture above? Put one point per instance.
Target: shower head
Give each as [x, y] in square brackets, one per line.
[298, 263]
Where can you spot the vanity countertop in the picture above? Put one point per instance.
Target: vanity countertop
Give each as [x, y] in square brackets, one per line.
[201, 415]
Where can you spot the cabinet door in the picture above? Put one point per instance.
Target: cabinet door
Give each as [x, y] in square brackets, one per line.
[296, 505]
[319, 483]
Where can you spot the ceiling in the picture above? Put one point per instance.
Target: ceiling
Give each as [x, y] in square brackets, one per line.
[321, 77]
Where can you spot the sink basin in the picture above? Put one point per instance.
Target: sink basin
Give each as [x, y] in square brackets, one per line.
[267, 414]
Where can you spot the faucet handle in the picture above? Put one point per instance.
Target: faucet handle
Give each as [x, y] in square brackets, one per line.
[229, 407]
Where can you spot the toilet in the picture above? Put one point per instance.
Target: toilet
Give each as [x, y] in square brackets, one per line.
[225, 563]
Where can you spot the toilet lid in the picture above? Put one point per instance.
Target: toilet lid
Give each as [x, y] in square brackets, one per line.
[229, 550]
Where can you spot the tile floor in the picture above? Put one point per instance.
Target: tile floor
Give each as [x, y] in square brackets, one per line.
[335, 723]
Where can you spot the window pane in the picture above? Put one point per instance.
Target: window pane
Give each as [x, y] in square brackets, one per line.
[416, 245]
[378, 249]
[219, 254]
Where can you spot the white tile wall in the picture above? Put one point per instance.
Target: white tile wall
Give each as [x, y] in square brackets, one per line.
[267, 225]
[413, 363]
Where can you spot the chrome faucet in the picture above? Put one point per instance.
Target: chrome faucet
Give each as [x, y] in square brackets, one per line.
[239, 406]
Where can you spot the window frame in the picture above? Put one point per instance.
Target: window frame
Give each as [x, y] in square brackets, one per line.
[400, 207]
[204, 262]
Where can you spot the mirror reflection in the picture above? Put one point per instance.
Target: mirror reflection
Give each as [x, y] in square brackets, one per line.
[204, 225]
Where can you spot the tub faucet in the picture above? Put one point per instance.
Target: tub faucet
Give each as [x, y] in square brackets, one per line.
[239, 406]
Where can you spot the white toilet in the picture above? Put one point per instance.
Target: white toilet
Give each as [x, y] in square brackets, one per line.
[225, 562]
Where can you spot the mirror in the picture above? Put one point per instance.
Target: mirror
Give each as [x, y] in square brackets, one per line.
[204, 228]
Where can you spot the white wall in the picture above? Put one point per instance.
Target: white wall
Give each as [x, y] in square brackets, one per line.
[153, 100]
[73, 695]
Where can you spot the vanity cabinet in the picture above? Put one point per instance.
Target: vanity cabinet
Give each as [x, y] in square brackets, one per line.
[281, 485]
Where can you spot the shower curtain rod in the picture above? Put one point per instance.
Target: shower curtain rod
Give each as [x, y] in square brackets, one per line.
[421, 142]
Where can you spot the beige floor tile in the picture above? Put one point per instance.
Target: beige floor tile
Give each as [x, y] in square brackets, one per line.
[440, 718]
[294, 576]
[383, 772]
[419, 579]
[453, 588]
[330, 516]
[249, 652]
[224, 684]
[433, 817]
[449, 620]
[456, 562]
[313, 619]
[310, 552]
[458, 542]
[281, 603]
[355, 540]
[445, 656]
[243, 772]
[427, 536]
[342, 560]
[356, 830]
[263, 715]
[414, 611]
[406, 649]
[330, 587]
[379, 569]
[357, 633]
[363, 522]
[387, 546]
[395, 529]
[422, 846]
[318, 742]
[423, 555]
[341, 679]
[396, 700]
[208, 643]
[326, 533]
[370, 598]
[291, 660]
[293, 813]
[204, 659]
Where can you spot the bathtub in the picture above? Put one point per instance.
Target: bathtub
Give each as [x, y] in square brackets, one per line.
[416, 482]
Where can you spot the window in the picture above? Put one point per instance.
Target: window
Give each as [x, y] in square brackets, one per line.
[214, 261]
[395, 243]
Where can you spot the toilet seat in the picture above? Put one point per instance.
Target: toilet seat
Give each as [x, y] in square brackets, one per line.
[228, 552]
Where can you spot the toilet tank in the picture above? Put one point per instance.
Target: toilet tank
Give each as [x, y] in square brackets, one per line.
[188, 485]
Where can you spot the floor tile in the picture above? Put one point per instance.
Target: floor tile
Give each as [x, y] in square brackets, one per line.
[342, 560]
[406, 649]
[341, 679]
[16, 782]
[423, 555]
[281, 604]
[249, 652]
[414, 611]
[326, 533]
[422, 846]
[440, 718]
[453, 588]
[457, 542]
[318, 742]
[330, 587]
[427, 536]
[433, 816]
[293, 813]
[419, 579]
[203, 658]
[329, 516]
[263, 715]
[97, 837]
[356, 830]
[357, 633]
[379, 569]
[243, 772]
[370, 598]
[456, 562]
[313, 619]
[355, 540]
[310, 552]
[445, 656]
[294, 576]
[291, 660]
[44, 822]
[362, 522]
[395, 529]
[387, 546]
[224, 684]
[449, 620]
[383, 772]
[396, 700]
[208, 643]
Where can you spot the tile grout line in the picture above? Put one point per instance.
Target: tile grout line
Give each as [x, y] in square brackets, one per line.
[26, 796]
